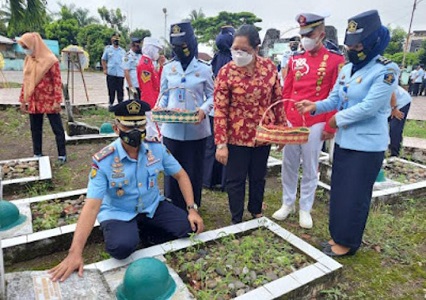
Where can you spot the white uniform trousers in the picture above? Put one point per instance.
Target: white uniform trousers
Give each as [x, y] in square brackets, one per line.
[307, 155]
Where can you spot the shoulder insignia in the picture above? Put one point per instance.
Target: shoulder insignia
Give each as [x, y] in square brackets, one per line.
[341, 65]
[298, 53]
[145, 76]
[389, 78]
[104, 153]
[203, 62]
[383, 60]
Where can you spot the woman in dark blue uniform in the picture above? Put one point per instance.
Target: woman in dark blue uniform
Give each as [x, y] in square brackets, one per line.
[362, 97]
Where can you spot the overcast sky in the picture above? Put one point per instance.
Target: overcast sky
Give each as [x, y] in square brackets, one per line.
[274, 13]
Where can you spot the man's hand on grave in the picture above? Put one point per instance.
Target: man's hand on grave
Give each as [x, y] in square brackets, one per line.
[71, 263]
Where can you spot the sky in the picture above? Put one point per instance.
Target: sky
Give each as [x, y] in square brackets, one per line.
[274, 13]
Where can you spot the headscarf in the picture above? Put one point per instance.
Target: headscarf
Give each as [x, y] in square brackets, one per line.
[224, 42]
[374, 44]
[183, 34]
[151, 47]
[37, 64]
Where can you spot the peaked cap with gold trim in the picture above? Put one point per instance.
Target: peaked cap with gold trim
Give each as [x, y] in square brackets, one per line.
[309, 21]
[131, 112]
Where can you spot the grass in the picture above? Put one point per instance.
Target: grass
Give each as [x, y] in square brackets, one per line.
[390, 265]
[10, 85]
[415, 128]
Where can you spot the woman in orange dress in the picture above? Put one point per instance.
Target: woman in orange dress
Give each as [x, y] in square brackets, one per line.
[42, 92]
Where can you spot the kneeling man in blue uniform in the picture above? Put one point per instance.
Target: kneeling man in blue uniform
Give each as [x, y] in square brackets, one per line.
[123, 193]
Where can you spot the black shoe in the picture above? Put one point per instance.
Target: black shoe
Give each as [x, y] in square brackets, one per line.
[329, 252]
[62, 160]
[324, 244]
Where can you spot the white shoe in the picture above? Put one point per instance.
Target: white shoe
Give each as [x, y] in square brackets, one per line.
[305, 219]
[283, 212]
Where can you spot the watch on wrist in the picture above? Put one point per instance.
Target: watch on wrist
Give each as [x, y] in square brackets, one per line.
[221, 146]
[192, 206]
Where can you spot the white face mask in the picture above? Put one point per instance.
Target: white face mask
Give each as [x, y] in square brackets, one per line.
[308, 43]
[28, 52]
[241, 58]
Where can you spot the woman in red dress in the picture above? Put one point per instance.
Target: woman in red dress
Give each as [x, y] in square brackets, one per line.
[42, 92]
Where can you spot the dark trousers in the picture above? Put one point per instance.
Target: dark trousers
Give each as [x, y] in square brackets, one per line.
[131, 97]
[122, 237]
[190, 155]
[242, 162]
[36, 123]
[396, 127]
[416, 88]
[115, 85]
[423, 88]
[410, 86]
[214, 171]
[352, 179]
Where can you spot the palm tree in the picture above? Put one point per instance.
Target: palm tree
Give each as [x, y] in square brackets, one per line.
[195, 15]
[83, 17]
[26, 15]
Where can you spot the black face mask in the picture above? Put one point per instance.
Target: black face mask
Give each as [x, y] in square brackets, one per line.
[182, 52]
[138, 50]
[133, 137]
[357, 57]
[116, 42]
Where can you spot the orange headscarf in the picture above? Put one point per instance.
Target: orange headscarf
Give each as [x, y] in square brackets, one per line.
[37, 64]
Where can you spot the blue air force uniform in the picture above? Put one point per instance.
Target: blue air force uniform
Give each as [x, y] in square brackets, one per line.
[128, 189]
[130, 62]
[362, 97]
[113, 56]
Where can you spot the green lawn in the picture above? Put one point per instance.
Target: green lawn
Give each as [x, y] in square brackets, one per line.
[415, 128]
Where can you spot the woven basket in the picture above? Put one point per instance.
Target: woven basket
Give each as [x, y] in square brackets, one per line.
[170, 115]
[273, 134]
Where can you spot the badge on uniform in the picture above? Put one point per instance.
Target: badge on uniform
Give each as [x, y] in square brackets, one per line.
[389, 78]
[146, 76]
[151, 182]
[151, 158]
[120, 192]
[94, 171]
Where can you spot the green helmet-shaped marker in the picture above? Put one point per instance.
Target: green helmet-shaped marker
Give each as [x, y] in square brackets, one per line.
[9, 215]
[106, 128]
[148, 279]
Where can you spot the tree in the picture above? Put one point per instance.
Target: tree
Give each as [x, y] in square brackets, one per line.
[422, 54]
[93, 38]
[113, 18]
[82, 15]
[26, 16]
[397, 41]
[64, 31]
[140, 33]
[206, 29]
[410, 59]
[195, 15]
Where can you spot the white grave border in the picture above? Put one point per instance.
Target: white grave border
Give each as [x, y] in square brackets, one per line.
[44, 169]
[323, 265]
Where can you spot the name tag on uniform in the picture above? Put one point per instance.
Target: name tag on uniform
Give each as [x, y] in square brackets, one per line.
[118, 175]
[150, 163]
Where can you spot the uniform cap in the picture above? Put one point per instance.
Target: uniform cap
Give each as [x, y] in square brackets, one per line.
[181, 33]
[361, 26]
[309, 21]
[135, 40]
[131, 112]
[152, 41]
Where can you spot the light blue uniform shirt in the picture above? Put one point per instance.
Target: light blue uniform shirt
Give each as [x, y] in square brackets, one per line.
[114, 58]
[420, 75]
[127, 186]
[363, 103]
[130, 62]
[198, 78]
[402, 97]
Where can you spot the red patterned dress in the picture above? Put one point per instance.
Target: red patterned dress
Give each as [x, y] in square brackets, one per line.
[241, 98]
